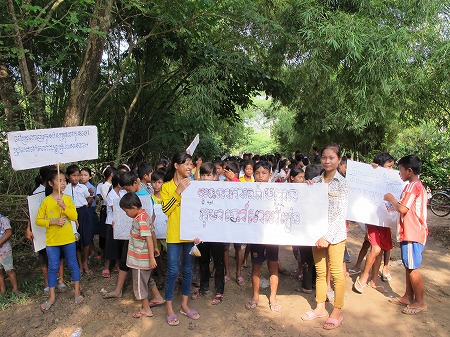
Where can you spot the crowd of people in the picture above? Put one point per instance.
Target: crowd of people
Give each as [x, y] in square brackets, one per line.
[71, 197]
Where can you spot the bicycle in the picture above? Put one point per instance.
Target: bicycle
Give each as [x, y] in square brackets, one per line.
[440, 203]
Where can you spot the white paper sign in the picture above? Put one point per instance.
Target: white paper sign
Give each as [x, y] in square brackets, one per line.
[34, 202]
[269, 213]
[122, 222]
[160, 222]
[36, 148]
[191, 148]
[367, 187]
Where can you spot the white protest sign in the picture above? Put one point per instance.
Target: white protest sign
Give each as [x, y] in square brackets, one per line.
[366, 189]
[122, 222]
[191, 148]
[268, 213]
[160, 222]
[36, 148]
[34, 202]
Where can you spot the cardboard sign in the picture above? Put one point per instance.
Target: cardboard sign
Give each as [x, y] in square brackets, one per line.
[122, 222]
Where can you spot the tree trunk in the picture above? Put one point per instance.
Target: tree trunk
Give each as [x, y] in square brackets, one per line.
[9, 98]
[82, 85]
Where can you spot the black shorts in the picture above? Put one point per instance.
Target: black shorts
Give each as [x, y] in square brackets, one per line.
[261, 253]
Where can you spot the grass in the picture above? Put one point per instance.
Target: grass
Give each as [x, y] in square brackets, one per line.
[28, 288]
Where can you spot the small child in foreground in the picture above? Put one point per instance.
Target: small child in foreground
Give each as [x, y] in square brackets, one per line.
[141, 253]
[412, 231]
[6, 258]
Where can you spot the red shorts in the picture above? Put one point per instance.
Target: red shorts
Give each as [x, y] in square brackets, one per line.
[379, 236]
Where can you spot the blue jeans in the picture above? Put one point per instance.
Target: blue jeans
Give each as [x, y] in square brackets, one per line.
[173, 265]
[70, 253]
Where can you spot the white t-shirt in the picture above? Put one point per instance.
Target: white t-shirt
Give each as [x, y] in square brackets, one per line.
[79, 194]
[112, 195]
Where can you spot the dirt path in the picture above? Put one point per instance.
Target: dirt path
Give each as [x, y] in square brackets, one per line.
[365, 315]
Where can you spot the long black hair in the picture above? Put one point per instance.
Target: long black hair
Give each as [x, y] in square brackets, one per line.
[50, 177]
[178, 158]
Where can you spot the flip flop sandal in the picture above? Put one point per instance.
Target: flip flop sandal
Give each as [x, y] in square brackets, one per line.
[386, 277]
[142, 313]
[275, 307]
[79, 299]
[332, 323]
[353, 272]
[311, 315]
[217, 299]
[155, 303]
[106, 273]
[358, 286]
[61, 287]
[397, 301]
[251, 305]
[46, 306]
[191, 313]
[240, 281]
[413, 311]
[172, 320]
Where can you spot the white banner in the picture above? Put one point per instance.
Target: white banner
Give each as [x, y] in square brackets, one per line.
[268, 213]
[160, 222]
[34, 202]
[367, 187]
[36, 148]
[122, 222]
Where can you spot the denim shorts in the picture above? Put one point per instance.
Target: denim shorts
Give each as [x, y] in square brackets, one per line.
[6, 261]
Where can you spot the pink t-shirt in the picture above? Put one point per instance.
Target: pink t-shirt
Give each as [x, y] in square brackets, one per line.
[413, 225]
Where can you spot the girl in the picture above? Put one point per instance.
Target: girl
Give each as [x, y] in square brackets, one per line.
[103, 189]
[82, 199]
[55, 214]
[85, 179]
[175, 182]
[248, 172]
[332, 244]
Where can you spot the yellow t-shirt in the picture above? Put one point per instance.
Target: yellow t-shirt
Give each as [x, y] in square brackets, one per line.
[50, 210]
[245, 181]
[171, 207]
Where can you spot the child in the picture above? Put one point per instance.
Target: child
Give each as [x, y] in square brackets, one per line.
[219, 164]
[55, 214]
[85, 179]
[175, 182]
[261, 252]
[207, 249]
[103, 189]
[6, 258]
[112, 247]
[332, 244]
[412, 231]
[144, 173]
[82, 199]
[380, 240]
[196, 170]
[41, 182]
[140, 256]
[248, 172]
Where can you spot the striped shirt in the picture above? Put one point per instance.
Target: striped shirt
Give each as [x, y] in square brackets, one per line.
[138, 256]
[413, 225]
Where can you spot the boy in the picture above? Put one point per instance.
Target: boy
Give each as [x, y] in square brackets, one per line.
[145, 172]
[262, 252]
[140, 257]
[6, 258]
[207, 249]
[412, 232]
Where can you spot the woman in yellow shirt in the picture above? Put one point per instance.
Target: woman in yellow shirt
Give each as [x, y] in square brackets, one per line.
[55, 214]
[175, 182]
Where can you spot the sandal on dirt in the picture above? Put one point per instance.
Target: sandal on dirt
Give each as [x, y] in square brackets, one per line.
[156, 303]
[240, 280]
[172, 320]
[88, 272]
[46, 306]
[353, 272]
[275, 307]
[79, 299]
[196, 294]
[217, 299]
[191, 313]
[397, 301]
[226, 279]
[142, 313]
[106, 273]
[61, 287]
[359, 287]
[251, 305]
[332, 323]
[386, 277]
[311, 315]
[413, 311]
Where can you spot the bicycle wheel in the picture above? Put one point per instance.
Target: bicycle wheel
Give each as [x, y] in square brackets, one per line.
[440, 204]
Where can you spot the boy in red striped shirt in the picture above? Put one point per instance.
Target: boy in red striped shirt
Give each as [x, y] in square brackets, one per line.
[141, 252]
[412, 232]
